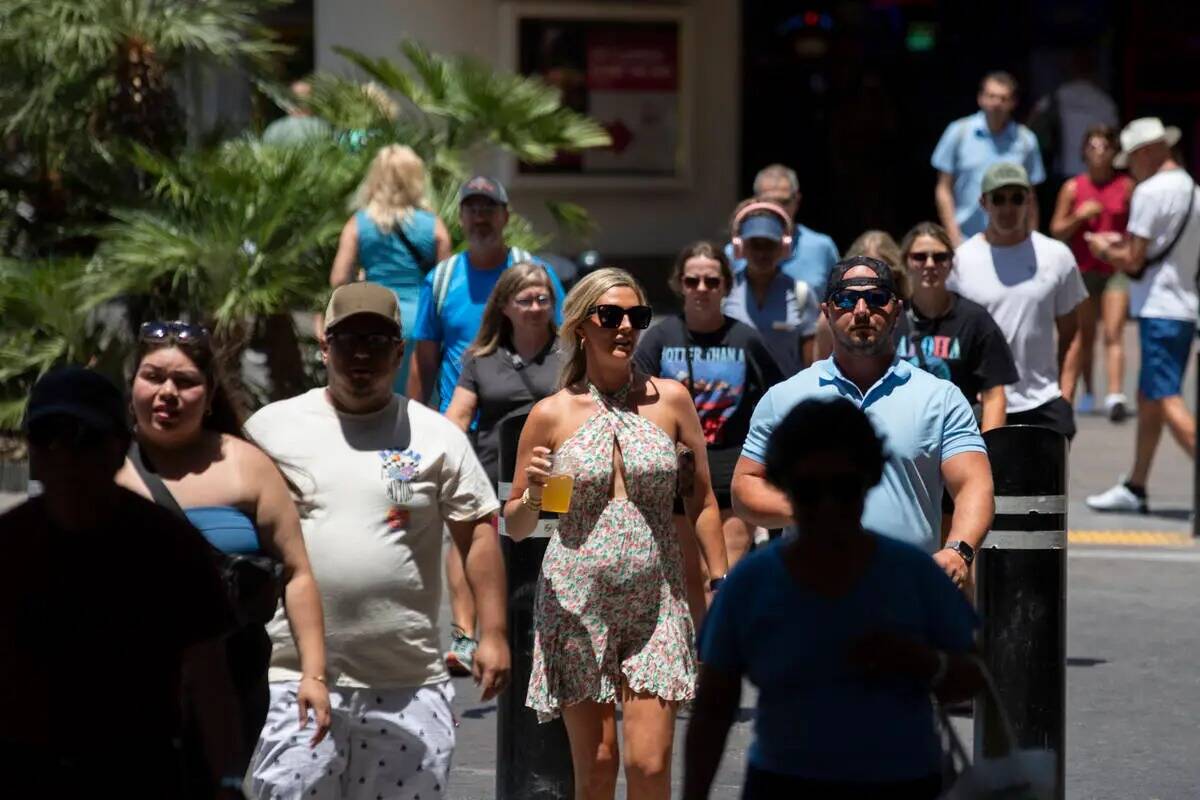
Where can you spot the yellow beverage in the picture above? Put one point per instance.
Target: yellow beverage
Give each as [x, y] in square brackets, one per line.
[556, 496]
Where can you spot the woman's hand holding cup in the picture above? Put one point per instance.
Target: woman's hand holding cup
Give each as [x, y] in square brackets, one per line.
[537, 473]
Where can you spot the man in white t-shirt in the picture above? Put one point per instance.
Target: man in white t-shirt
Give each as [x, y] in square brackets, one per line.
[1031, 286]
[1159, 252]
[379, 476]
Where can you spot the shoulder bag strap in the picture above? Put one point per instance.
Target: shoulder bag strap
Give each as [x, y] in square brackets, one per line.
[1187, 218]
[158, 490]
[423, 262]
[441, 282]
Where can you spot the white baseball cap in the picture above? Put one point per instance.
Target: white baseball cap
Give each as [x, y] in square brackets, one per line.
[1142, 132]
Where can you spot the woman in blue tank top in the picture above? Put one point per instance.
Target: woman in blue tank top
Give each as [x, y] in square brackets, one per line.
[191, 447]
[393, 236]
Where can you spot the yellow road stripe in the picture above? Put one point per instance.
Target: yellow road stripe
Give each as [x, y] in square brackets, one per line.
[1132, 538]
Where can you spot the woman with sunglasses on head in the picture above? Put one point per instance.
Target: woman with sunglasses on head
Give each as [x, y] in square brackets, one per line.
[725, 367]
[1097, 201]
[393, 235]
[189, 436]
[947, 334]
[513, 362]
[845, 633]
[611, 619]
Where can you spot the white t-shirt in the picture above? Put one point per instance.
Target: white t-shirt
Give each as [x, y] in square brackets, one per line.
[1168, 289]
[1024, 287]
[377, 488]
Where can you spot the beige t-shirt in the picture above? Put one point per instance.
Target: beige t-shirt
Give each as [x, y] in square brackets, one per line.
[377, 488]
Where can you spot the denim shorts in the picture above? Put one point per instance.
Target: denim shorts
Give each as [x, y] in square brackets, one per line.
[1166, 345]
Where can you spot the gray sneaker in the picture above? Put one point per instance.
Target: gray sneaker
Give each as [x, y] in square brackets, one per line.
[461, 658]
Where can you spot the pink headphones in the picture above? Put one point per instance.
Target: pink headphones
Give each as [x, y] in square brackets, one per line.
[762, 205]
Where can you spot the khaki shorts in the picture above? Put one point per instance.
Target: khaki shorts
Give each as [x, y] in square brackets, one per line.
[1098, 283]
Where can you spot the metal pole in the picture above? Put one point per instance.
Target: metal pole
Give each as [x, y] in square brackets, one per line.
[1021, 584]
[533, 761]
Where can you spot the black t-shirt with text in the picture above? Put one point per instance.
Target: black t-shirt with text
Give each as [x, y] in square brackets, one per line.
[94, 625]
[505, 384]
[964, 346]
[728, 372]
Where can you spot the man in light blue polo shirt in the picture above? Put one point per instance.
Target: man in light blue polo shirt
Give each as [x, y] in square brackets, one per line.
[931, 436]
[972, 144]
[812, 254]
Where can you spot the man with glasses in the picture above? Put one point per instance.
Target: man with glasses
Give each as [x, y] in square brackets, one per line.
[104, 596]
[379, 476]
[1031, 286]
[453, 296]
[811, 254]
[931, 434]
[969, 146]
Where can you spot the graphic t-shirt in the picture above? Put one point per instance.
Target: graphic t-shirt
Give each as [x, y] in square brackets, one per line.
[1167, 290]
[963, 346]
[726, 370]
[1025, 287]
[461, 315]
[376, 490]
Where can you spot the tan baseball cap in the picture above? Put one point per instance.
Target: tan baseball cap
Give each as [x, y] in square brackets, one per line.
[362, 298]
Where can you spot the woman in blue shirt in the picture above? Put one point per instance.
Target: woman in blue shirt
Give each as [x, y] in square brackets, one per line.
[845, 633]
[392, 235]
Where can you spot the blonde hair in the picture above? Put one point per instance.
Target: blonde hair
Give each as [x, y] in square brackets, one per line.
[881, 245]
[496, 327]
[394, 186]
[575, 311]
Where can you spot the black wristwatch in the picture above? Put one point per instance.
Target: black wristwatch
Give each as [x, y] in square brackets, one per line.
[963, 549]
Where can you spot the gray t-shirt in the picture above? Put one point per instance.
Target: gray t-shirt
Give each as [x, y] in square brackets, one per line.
[783, 320]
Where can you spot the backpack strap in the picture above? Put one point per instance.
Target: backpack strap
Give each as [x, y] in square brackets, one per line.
[441, 282]
[158, 490]
[1166, 251]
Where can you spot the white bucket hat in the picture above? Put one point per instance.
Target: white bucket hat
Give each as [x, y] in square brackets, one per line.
[1142, 132]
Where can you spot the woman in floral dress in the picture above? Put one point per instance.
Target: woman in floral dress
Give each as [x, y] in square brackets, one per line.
[611, 620]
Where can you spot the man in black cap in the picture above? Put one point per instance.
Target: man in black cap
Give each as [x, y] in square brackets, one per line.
[101, 594]
[931, 435]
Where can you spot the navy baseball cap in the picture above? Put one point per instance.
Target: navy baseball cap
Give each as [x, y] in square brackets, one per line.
[762, 226]
[883, 275]
[81, 394]
[483, 186]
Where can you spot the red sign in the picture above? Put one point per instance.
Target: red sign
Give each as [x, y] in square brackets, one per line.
[646, 61]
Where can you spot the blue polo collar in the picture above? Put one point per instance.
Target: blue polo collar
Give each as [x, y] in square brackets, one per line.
[980, 127]
[899, 372]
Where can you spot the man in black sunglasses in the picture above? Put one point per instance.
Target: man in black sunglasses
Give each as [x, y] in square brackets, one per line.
[930, 431]
[97, 585]
[1031, 286]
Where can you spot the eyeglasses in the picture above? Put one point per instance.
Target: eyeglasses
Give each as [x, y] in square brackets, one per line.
[711, 282]
[1001, 199]
[610, 316]
[65, 430]
[941, 259]
[480, 207]
[373, 342]
[529, 302]
[847, 300]
[179, 331]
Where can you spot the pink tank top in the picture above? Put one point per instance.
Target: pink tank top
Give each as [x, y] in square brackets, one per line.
[1114, 196]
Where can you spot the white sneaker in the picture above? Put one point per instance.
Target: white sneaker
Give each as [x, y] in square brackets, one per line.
[1118, 498]
[1117, 407]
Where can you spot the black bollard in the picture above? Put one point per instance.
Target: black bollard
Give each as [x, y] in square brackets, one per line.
[1021, 582]
[533, 761]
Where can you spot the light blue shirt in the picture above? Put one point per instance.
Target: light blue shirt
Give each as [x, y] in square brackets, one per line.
[457, 326]
[792, 644]
[783, 320]
[813, 256]
[924, 420]
[966, 150]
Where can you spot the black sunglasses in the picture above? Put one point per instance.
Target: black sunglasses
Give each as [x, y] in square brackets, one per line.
[179, 331]
[941, 259]
[710, 281]
[1000, 199]
[374, 342]
[847, 300]
[610, 316]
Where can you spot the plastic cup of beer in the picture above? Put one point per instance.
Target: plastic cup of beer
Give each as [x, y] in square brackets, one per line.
[556, 496]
